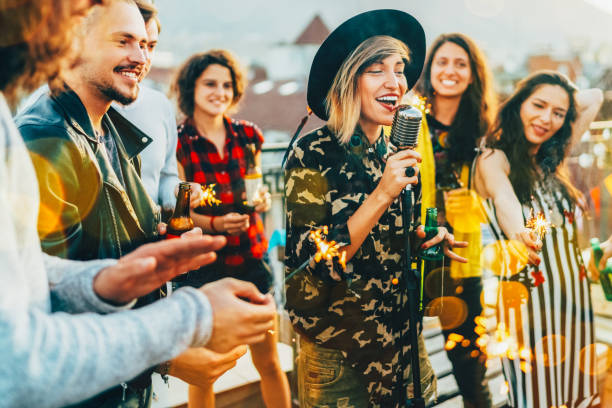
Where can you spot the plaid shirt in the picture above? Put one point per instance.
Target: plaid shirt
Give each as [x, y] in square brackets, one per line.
[203, 164]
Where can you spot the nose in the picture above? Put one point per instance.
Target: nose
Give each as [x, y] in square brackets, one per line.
[391, 80]
[546, 115]
[219, 90]
[139, 55]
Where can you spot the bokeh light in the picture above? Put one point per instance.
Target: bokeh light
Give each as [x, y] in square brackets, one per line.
[438, 282]
[504, 257]
[600, 361]
[553, 353]
[608, 183]
[451, 311]
[50, 211]
[513, 294]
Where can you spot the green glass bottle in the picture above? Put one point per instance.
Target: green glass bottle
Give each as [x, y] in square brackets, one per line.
[605, 275]
[433, 253]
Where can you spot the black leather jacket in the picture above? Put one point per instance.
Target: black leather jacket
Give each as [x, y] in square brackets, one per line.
[86, 213]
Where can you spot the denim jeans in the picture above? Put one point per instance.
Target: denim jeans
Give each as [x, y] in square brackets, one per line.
[325, 380]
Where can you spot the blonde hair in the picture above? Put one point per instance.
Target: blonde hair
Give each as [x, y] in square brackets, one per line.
[342, 102]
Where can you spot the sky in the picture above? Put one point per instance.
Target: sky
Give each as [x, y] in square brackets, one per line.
[605, 5]
[506, 29]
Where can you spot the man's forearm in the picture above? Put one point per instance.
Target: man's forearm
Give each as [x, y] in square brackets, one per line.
[83, 355]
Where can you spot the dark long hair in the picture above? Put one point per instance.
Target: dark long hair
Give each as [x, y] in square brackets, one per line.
[508, 135]
[478, 103]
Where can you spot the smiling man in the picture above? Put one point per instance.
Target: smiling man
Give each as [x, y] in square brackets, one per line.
[86, 157]
[153, 113]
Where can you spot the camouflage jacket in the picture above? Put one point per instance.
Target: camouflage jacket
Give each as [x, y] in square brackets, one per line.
[358, 310]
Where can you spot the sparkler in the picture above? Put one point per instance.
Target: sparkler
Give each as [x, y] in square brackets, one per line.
[537, 224]
[325, 250]
[208, 196]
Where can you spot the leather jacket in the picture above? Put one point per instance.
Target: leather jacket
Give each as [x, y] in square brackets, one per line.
[86, 212]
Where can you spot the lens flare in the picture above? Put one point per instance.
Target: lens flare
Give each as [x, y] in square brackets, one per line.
[451, 311]
[504, 257]
[513, 294]
[553, 350]
[595, 359]
[608, 183]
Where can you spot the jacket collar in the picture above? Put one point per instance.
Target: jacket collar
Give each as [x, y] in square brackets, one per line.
[134, 140]
[76, 114]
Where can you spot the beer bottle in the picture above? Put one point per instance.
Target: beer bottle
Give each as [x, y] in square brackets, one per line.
[253, 178]
[605, 275]
[433, 253]
[180, 221]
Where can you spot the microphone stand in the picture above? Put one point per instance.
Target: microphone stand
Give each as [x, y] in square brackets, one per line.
[410, 285]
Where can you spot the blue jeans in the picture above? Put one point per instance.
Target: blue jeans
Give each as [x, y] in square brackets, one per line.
[325, 380]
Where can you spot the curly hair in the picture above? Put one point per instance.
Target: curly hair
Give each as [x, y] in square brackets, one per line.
[508, 135]
[36, 36]
[184, 84]
[478, 103]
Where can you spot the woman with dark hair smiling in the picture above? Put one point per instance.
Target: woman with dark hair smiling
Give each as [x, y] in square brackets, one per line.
[544, 307]
[457, 85]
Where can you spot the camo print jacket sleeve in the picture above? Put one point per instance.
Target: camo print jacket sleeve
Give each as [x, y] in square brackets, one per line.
[355, 310]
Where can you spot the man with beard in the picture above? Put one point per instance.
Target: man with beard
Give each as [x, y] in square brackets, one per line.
[153, 113]
[86, 158]
[48, 358]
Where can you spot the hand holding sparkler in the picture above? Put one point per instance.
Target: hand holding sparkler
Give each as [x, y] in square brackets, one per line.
[325, 250]
[537, 224]
[535, 229]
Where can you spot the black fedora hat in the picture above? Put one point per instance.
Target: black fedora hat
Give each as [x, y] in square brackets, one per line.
[344, 39]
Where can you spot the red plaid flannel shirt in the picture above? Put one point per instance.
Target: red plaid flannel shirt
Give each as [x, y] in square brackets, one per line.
[202, 164]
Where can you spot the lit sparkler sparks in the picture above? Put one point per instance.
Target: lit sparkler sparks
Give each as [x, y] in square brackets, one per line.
[208, 196]
[538, 224]
[325, 250]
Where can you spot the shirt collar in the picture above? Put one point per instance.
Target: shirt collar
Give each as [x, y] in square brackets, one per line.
[358, 144]
[192, 130]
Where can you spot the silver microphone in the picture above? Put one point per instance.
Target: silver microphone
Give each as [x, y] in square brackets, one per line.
[405, 132]
[405, 129]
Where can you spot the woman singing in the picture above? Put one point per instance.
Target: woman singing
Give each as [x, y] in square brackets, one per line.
[353, 321]
[456, 83]
[546, 306]
[214, 149]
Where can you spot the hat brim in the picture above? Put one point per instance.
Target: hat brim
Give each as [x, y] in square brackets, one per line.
[344, 39]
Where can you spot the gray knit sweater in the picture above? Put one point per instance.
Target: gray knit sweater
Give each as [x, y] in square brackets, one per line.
[59, 343]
